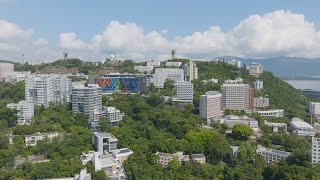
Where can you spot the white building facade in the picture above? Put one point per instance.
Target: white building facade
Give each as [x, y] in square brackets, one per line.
[87, 100]
[210, 105]
[17, 76]
[154, 64]
[301, 127]
[314, 108]
[255, 69]
[31, 140]
[113, 115]
[237, 97]
[315, 150]
[271, 113]
[5, 68]
[173, 64]
[143, 69]
[271, 155]
[259, 102]
[47, 88]
[183, 92]
[25, 111]
[258, 85]
[162, 74]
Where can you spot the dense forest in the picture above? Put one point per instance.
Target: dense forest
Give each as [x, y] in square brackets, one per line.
[152, 125]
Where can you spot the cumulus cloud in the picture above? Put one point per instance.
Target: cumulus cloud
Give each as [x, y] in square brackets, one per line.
[41, 42]
[279, 33]
[10, 30]
[70, 41]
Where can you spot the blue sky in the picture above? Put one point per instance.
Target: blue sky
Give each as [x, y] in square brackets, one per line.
[171, 19]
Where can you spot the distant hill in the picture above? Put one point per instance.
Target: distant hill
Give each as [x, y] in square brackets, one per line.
[286, 67]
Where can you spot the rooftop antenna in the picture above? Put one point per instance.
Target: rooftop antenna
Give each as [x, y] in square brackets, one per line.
[65, 56]
[173, 54]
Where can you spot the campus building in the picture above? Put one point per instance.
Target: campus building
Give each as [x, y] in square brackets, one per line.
[210, 105]
[190, 71]
[165, 158]
[173, 64]
[32, 139]
[43, 89]
[314, 108]
[315, 150]
[237, 96]
[5, 68]
[17, 76]
[258, 85]
[271, 155]
[271, 113]
[143, 69]
[113, 115]
[255, 69]
[301, 127]
[183, 92]
[25, 111]
[121, 83]
[259, 102]
[277, 127]
[162, 74]
[87, 100]
[105, 142]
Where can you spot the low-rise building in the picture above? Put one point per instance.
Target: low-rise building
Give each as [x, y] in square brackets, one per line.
[25, 111]
[213, 80]
[255, 69]
[238, 80]
[105, 142]
[143, 69]
[173, 64]
[85, 158]
[16, 76]
[234, 150]
[200, 158]
[253, 123]
[105, 162]
[301, 127]
[32, 139]
[165, 158]
[154, 63]
[113, 115]
[83, 175]
[271, 113]
[277, 127]
[271, 155]
[121, 154]
[259, 102]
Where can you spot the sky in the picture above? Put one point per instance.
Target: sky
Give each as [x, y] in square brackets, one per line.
[93, 30]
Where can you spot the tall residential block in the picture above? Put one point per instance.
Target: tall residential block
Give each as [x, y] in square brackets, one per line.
[162, 74]
[5, 68]
[25, 111]
[258, 85]
[191, 67]
[315, 156]
[255, 69]
[314, 108]
[210, 105]
[183, 92]
[237, 96]
[87, 100]
[44, 89]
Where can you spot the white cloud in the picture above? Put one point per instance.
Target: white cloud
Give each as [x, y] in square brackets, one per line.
[70, 41]
[41, 42]
[279, 33]
[9, 30]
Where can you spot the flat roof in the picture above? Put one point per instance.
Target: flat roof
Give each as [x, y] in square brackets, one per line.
[106, 135]
[197, 156]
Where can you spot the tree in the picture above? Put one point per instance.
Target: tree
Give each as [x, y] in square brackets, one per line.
[99, 175]
[241, 132]
[217, 148]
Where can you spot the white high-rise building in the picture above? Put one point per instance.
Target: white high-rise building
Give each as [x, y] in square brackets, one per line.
[161, 74]
[237, 96]
[258, 85]
[113, 115]
[183, 92]
[5, 68]
[87, 100]
[25, 111]
[315, 150]
[43, 89]
[255, 69]
[314, 108]
[210, 105]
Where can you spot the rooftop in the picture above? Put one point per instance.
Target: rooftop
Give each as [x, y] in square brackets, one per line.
[197, 156]
[106, 135]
